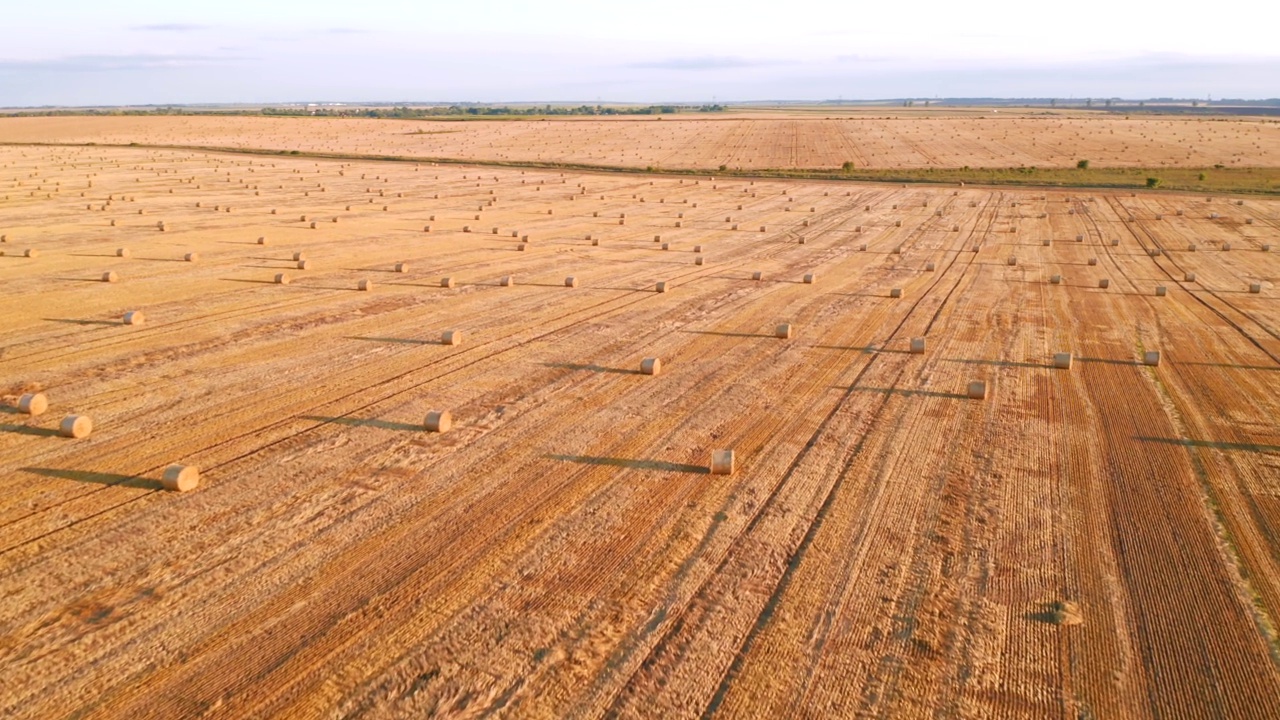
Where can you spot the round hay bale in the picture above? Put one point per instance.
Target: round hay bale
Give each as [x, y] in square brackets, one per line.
[783, 331]
[122, 252]
[33, 404]
[446, 282]
[650, 366]
[31, 253]
[1055, 279]
[895, 293]
[929, 267]
[451, 337]
[1161, 291]
[426, 228]
[661, 287]
[507, 281]
[1104, 283]
[282, 278]
[800, 240]
[809, 278]
[977, 390]
[1255, 288]
[180, 478]
[75, 426]
[757, 275]
[1189, 277]
[917, 345]
[1226, 246]
[365, 285]
[699, 260]
[1013, 260]
[1093, 261]
[299, 255]
[438, 421]
[722, 462]
[1115, 242]
[303, 265]
[595, 242]
[1062, 361]
[571, 281]
[697, 248]
[262, 240]
[109, 277]
[402, 267]
[134, 317]
[1151, 357]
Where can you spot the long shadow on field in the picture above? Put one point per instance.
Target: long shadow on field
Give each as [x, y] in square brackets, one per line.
[366, 422]
[402, 341]
[634, 464]
[1235, 367]
[245, 280]
[85, 280]
[904, 392]
[727, 334]
[107, 255]
[101, 478]
[28, 430]
[83, 322]
[868, 349]
[998, 363]
[1250, 447]
[1108, 361]
[590, 367]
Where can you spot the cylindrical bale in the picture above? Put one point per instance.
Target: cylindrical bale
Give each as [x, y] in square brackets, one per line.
[699, 260]
[757, 275]
[31, 253]
[299, 255]
[1013, 261]
[897, 250]
[1189, 277]
[1115, 242]
[656, 238]
[650, 366]
[1191, 247]
[446, 282]
[438, 421]
[929, 267]
[783, 331]
[402, 267]
[507, 281]
[1154, 252]
[1093, 261]
[955, 228]
[735, 226]
[809, 278]
[571, 281]
[109, 277]
[1255, 288]
[1104, 283]
[595, 242]
[666, 246]
[722, 462]
[365, 285]
[697, 248]
[1046, 242]
[1062, 361]
[762, 228]
[1161, 291]
[191, 257]
[800, 240]
[1055, 279]
[917, 345]
[895, 293]
[262, 240]
[75, 426]
[180, 478]
[1266, 248]
[1079, 238]
[426, 228]
[134, 317]
[282, 278]
[977, 390]
[1151, 357]
[661, 287]
[862, 247]
[33, 404]
[451, 337]
[897, 223]
[1226, 246]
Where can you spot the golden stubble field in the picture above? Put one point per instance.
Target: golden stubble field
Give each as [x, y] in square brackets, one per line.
[1099, 541]
[884, 139]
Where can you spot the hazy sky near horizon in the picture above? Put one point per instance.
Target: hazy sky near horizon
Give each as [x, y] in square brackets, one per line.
[151, 51]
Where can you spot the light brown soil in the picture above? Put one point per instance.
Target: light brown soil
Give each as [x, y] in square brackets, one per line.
[886, 548]
[887, 140]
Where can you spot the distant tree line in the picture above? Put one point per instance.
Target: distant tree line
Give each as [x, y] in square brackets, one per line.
[405, 112]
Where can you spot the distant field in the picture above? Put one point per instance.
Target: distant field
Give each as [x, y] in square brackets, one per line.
[762, 141]
[1094, 542]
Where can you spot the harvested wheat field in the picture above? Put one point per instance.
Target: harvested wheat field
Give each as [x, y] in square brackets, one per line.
[883, 139]
[1100, 539]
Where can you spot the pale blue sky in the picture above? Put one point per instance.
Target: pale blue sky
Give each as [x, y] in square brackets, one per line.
[145, 51]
